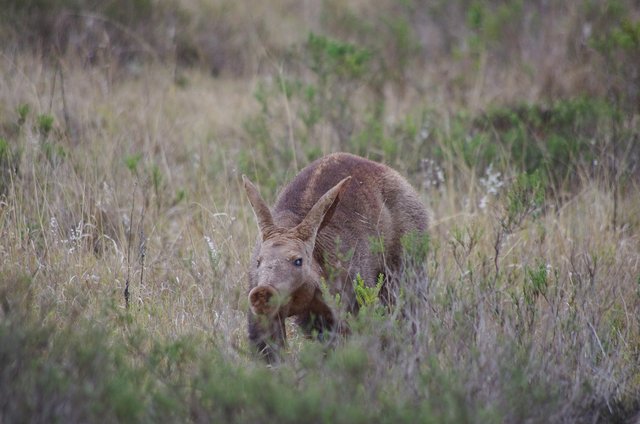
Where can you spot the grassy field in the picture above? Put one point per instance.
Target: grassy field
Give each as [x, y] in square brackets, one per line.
[125, 129]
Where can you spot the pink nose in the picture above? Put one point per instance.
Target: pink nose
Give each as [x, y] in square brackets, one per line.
[261, 299]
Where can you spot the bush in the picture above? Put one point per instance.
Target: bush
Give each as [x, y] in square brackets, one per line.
[561, 140]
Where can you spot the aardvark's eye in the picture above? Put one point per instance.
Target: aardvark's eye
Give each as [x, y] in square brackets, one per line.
[298, 262]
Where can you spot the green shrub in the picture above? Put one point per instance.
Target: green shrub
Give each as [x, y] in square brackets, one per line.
[560, 140]
[45, 124]
[620, 49]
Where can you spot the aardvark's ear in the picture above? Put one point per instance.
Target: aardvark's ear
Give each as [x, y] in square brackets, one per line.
[260, 208]
[308, 228]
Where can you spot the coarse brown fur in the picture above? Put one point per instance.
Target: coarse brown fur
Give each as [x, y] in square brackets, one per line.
[321, 228]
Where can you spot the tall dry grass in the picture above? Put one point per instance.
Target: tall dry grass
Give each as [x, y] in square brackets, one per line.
[523, 306]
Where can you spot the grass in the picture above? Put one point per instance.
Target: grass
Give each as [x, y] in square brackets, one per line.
[522, 305]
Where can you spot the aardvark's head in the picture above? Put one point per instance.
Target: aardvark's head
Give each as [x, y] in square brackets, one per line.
[283, 267]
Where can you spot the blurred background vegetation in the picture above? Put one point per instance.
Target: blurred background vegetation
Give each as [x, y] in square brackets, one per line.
[124, 128]
[516, 77]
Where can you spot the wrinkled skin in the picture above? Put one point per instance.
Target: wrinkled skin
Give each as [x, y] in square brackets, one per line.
[323, 221]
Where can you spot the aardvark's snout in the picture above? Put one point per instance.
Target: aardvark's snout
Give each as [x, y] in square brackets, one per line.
[262, 300]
